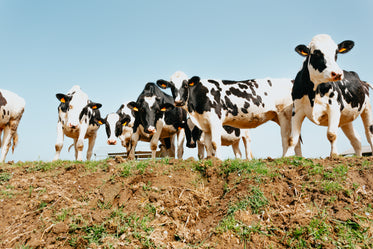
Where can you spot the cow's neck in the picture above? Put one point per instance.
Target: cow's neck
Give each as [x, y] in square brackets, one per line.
[303, 86]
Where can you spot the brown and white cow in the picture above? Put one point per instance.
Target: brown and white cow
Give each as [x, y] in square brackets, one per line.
[328, 95]
[12, 107]
[241, 104]
[78, 118]
[231, 137]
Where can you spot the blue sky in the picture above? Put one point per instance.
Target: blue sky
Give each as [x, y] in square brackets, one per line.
[113, 48]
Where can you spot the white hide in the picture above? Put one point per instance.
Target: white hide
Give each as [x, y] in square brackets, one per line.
[10, 113]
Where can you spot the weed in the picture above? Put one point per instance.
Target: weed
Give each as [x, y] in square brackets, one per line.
[63, 215]
[95, 234]
[256, 201]
[104, 205]
[141, 166]
[202, 165]
[5, 177]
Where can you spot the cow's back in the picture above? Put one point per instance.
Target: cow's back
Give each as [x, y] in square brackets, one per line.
[11, 106]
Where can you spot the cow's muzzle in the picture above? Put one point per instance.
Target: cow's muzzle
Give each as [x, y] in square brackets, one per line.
[179, 103]
[111, 142]
[336, 76]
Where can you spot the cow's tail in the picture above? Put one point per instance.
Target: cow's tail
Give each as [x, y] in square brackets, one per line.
[15, 141]
[68, 150]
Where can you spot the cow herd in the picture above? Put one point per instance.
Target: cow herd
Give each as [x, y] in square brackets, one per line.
[210, 113]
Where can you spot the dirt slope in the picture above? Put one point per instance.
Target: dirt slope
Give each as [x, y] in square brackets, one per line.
[272, 203]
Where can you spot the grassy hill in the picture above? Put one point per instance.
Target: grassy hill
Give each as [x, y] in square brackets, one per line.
[169, 203]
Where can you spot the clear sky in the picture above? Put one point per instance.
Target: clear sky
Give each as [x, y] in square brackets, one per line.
[113, 48]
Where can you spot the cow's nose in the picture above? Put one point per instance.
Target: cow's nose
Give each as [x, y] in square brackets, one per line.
[73, 126]
[336, 76]
[111, 142]
[152, 129]
[179, 103]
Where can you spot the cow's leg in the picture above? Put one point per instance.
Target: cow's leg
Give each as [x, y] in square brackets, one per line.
[171, 150]
[59, 142]
[6, 143]
[366, 117]
[133, 143]
[201, 150]
[236, 149]
[91, 144]
[247, 143]
[75, 148]
[208, 144]
[216, 131]
[334, 116]
[353, 136]
[180, 143]
[155, 139]
[80, 143]
[296, 125]
[284, 121]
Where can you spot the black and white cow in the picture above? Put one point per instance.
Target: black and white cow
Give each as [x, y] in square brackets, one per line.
[119, 125]
[156, 115]
[329, 96]
[78, 118]
[12, 107]
[242, 104]
[231, 137]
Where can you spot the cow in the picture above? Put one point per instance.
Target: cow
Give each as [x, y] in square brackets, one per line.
[12, 107]
[156, 115]
[78, 118]
[119, 125]
[231, 136]
[328, 95]
[241, 104]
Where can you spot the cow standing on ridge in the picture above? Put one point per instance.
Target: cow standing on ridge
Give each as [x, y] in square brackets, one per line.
[119, 125]
[329, 96]
[78, 118]
[12, 107]
[241, 104]
[156, 115]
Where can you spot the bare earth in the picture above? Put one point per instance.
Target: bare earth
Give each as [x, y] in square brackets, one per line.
[169, 203]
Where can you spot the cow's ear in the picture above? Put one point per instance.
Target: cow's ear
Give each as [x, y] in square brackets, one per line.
[345, 46]
[167, 107]
[163, 84]
[194, 81]
[62, 97]
[95, 106]
[303, 50]
[126, 120]
[133, 106]
[100, 121]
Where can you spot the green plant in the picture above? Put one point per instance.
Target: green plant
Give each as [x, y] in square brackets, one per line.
[256, 201]
[95, 234]
[4, 177]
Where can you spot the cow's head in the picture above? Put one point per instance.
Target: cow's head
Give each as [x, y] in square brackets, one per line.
[90, 114]
[114, 123]
[177, 85]
[321, 57]
[149, 109]
[75, 105]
